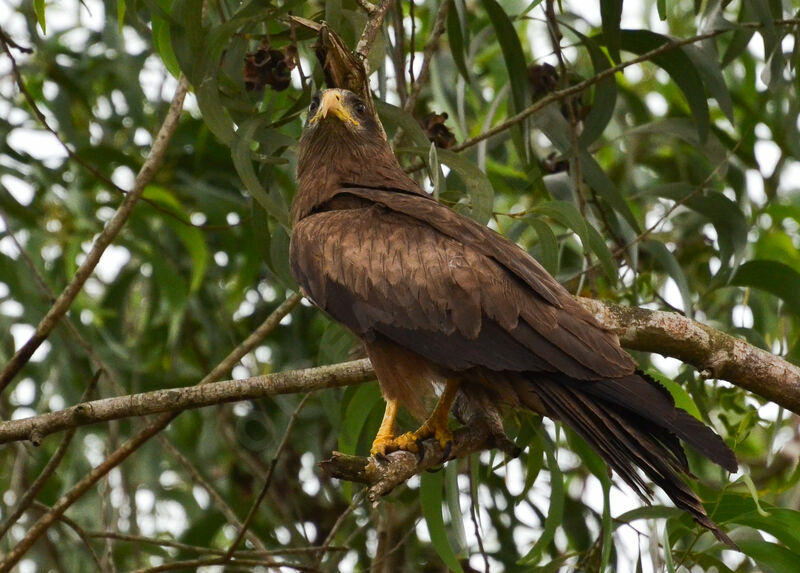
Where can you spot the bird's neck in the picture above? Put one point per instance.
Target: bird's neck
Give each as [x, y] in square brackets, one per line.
[326, 170]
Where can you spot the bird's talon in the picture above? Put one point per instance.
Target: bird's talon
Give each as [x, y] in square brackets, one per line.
[448, 449]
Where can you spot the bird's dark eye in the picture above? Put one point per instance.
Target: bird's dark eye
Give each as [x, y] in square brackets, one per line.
[314, 104]
[359, 107]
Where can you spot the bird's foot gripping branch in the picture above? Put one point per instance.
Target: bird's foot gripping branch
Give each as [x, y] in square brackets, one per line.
[382, 474]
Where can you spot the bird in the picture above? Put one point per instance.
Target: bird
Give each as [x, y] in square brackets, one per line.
[442, 302]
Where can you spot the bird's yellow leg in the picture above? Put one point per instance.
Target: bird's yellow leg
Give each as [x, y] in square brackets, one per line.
[384, 440]
[435, 426]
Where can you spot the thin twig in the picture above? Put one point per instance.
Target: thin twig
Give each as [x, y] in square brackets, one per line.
[218, 500]
[268, 479]
[134, 443]
[79, 531]
[33, 490]
[104, 239]
[427, 54]
[193, 564]
[208, 550]
[359, 497]
[374, 23]
[368, 7]
[474, 516]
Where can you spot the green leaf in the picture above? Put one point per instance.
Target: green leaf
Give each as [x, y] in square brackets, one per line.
[782, 523]
[393, 115]
[670, 566]
[605, 92]
[556, 513]
[162, 41]
[437, 177]
[775, 278]
[279, 257]
[513, 56]
[598, 246]
[38, 9]
[514, 59]
[728, 220]
[479, 187]
[548, 243]
[611, 15]
[360, 406]
[770, 555]
[451, 473]
[214, 115]
[121, 6]
[680, 68]
[240, 152]
[430, 498]
[661, 5]
[668, 263]
[456, 37]
[682, 398]
[567, 215]
[191, 237]
[708, 66]
[605, 187]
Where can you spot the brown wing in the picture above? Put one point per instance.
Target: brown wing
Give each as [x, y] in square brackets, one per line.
[457, 293]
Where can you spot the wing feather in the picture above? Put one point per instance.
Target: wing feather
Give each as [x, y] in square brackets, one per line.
[385, 272]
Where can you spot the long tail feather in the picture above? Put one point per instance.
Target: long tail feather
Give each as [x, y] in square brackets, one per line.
[633, 423]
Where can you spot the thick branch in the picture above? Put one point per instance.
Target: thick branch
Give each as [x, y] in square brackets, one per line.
[716, 354]
[177, 399]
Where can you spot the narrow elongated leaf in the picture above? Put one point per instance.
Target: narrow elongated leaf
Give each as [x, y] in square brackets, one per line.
[240, 152]
[365, 399]
[191, 237]
[513, 56]
[682, 398]
[669, 264]
[611, 15]
[214, 115]
[772, 556]
[479, 187]
[708, 66]
[773, 277]
[548, 243]
[39, 9]
[456, 37]
[556, 513]
[514, 59]
[598, 246]
[605, 93]
[395, 116]
[430, 498]
[680, 68]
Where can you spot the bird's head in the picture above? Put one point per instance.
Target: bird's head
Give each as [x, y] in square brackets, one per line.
[343, 145]
[339, 124]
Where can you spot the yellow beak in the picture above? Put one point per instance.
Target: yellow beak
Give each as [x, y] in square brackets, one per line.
[331, 102]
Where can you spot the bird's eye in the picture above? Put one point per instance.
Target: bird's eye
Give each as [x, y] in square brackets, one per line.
[360, 108]
[314, 104]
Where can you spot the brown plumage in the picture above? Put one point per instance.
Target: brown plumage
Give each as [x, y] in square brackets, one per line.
[436, 296]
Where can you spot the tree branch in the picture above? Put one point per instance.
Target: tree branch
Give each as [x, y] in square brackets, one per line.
[714, 353]
[374, 23]
[178, 399]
